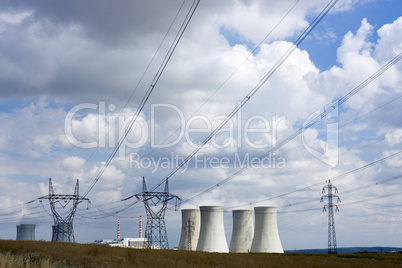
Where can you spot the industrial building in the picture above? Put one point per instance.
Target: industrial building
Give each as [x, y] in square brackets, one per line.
[212, 232]
[190, 229]
[138, 242]
[266, 236]
[124, 242]
[243, 231]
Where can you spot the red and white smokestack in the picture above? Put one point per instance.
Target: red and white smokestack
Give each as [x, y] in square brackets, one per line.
[140, 227]
[118, 229]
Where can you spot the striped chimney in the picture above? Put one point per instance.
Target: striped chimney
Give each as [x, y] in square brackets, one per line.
[118, 229]
[140, 227]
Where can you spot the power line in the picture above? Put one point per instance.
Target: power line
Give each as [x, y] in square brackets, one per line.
[114, 211]
[332, 179]
[348, 203]
[318, 118]
[371, 199]
[230, 76]
[348, 123]
[124, 207]
[149, 91]
[380, 182]
[139, 81]
[255, 89]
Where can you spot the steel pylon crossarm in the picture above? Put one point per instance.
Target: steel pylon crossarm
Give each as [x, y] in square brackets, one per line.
[63, 230]
[155, 204]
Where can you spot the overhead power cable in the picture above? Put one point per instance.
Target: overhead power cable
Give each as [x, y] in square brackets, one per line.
[370, 199]
[322, 182]
[139, 81]
[346, 124]
[380, 182]
[230, 76]
[255, 89]
[348, 203]
[116, 211]
[313, 122]
[149, 91]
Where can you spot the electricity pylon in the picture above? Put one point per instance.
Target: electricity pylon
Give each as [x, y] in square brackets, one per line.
[155, 205]
[62, 230]
[331, 191]
[189, 228]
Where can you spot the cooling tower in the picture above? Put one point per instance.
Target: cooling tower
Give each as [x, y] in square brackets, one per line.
[63, 232]
[243, 231]
[26, 232]
[212, 232]
[18, 232]
[190, 229]
[266, 236]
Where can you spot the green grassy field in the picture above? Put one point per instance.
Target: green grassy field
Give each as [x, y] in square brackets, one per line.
[51, 254]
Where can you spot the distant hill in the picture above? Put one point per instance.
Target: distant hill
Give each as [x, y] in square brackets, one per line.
[347, 250]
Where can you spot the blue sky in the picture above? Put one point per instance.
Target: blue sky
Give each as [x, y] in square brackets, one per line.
[377, 13]
[54, 60]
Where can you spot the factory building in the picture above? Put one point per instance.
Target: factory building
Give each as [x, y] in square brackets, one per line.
[139, 242]
[212, 232]
[124, 242]
[190, 229]
[243, 231]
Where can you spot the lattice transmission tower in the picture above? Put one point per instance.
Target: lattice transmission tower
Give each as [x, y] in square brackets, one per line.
[62, 230]
[155, 205]
[189, 228]
[331, 191]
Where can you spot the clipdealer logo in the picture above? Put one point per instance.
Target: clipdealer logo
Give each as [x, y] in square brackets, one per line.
[326, 150]
[201, 160]
[109, 129]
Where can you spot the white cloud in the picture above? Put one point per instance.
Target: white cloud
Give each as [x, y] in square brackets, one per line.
[15, 18]
[395, 162]
[60, 59]
[73, 163]
[395, 137]
[390, 42]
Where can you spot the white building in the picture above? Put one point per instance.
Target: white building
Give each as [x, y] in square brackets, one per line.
[125, 242]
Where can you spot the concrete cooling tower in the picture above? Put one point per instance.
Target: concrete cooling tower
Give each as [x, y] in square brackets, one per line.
[190, 229]
[26, 232]
[212, 233]
[18, 232]
[63, 232]
[243, 231]
[266, 236]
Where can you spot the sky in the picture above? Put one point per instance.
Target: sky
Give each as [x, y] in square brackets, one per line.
[72, 76]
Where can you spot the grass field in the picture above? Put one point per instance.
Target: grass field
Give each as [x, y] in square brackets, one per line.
[50, 254]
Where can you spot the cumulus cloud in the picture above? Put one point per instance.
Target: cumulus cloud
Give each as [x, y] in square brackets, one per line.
[73, 162]
[390, 43]
[79, 63]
